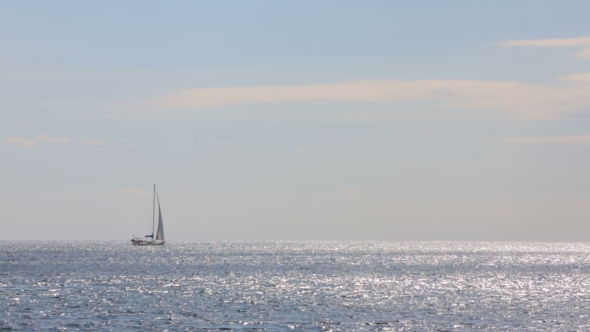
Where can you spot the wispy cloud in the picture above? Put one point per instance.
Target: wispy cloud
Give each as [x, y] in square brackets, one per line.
[558, 42]
[550, 139]
[130, 142]
[300, 149]
[136, 192]
[584, 54]
[523, 99]
[18, 141]
[581, 77]
[51, 139]
[217, 142]
[94, 142]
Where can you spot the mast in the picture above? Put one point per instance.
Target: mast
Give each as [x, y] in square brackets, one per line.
[154, 213]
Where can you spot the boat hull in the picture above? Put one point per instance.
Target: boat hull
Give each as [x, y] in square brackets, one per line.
[142, 242]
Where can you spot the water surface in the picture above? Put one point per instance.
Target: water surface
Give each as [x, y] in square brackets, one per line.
[285, 286]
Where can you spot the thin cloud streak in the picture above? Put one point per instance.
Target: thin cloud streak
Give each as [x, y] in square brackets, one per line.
[18, 141]
[130, 142]
[584, 54]
[94, 142]
[580, 78]
[557, 42]
[554, 139]
[523, 99]
[50, 139]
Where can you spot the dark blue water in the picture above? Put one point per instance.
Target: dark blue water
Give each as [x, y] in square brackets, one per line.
[302, 286]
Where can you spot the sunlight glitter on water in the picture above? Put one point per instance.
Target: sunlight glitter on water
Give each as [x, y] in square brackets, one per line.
[339, 286]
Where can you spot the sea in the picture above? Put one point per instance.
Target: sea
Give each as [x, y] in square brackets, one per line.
[295, 286]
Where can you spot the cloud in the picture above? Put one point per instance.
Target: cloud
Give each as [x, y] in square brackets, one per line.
[554, 139]
[300, 149]
[584, 54]
[18, 141]
[50, 139]
[136, 192]
[216, 142]
[558, 42]
[361, 91]
[130, 142]
[94, 142]
[582, 78]
[523, 99]
[349, 192]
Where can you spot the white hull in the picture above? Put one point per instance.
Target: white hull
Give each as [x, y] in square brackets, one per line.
[142, 242]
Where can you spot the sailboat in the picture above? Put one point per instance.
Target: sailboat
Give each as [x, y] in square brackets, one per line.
[149, 240]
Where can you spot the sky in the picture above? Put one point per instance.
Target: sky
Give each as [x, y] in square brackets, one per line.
[295, 120]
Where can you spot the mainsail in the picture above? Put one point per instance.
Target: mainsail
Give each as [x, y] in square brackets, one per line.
[160, 234]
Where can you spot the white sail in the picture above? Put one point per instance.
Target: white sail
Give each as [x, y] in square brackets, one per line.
[160, 234]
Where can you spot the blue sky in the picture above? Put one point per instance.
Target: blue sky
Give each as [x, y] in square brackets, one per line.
[296, 120]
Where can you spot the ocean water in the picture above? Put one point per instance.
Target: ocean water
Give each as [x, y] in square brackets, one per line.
[295, 286]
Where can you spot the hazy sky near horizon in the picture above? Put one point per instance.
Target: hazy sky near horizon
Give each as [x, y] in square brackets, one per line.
[295, 120]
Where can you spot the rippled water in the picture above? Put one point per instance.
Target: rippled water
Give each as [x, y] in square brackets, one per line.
[310, 286]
